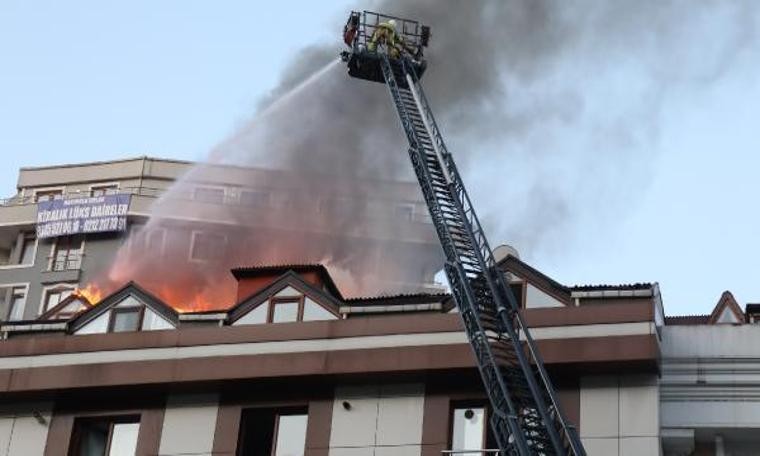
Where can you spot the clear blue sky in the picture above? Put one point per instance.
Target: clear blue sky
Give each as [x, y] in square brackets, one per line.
[91, 80]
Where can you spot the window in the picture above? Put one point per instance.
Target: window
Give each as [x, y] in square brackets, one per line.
[48, 195]
[517, 290]
[272, 432]
[470, 431]
[254, 198]
[209, 195]
[67, 254]
[28, 249]
[105, 436]
[15, 296]
[297, 308]
[126, 319]
[142, 239]
[285, 310]
[207, 246]
[55, 294]
[105, 189]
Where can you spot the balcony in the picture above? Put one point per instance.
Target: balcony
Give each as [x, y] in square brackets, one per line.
[240, 205]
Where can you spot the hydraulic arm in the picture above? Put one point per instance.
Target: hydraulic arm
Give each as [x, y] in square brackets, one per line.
[526, 418]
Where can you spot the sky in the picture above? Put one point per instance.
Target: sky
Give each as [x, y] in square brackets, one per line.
[85, 80]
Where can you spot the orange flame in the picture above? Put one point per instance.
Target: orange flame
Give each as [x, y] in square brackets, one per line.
[91, 292]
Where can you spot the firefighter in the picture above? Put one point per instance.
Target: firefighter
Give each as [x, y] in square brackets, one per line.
[385, 33]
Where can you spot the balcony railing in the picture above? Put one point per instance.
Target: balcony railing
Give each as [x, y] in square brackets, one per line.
[19, 200]
[239, 197]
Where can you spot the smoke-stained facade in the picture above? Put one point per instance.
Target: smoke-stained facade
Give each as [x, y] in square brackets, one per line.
[233, 216]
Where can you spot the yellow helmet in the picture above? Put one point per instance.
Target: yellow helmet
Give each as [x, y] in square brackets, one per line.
[392, 23]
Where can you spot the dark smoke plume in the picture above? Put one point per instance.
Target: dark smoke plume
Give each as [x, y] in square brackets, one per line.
[546, 104]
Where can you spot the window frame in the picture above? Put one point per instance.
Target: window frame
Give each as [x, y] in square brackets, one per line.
[12, 286]
[266, 201]
[195, 234]
[112, 314]
[103, 185]
[277, 412]
[27, 236]
[111, 420]
[522, 298]
[139, 235]
[44, 305]
[52, 259]
[274, 300]
[209, 187]
[37, 191]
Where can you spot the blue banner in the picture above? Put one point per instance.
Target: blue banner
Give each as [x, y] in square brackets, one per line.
[98, 214]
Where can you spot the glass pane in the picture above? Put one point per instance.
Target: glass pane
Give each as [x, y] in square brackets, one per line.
[126, 321]
[285, 311]
[27, 252]
[94, 437]
[17, 307]
[210, 195]
[53, 298]
[469, 428]
[291, 435]
[124, 439]
[313, 311]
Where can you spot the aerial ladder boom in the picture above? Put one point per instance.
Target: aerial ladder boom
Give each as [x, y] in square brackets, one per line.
[526, 417]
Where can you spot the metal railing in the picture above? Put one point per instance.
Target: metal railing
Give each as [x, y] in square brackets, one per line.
[19, 200]
[409, 30]
[241, 197]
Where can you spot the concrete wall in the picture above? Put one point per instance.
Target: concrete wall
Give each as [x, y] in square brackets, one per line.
[619, 415]
[382, 421]
[21, 433]
[189, 425]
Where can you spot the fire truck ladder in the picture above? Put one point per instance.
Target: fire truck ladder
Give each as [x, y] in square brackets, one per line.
[526, 417]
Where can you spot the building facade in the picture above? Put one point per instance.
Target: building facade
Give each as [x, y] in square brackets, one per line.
[206, 213]
[292, 365]
[296, 364]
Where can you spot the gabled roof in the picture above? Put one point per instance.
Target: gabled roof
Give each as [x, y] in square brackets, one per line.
[264, 270]
[129, 289]
[536, 278]
[288, 279]
[726, 303]
[55, 310]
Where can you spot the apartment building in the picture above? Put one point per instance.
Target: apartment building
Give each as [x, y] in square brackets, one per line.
[39, 266]
[291, 364]
[296, 368]
[710, 382]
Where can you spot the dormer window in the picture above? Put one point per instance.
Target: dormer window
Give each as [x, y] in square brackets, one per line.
[128, 310]
[126, 319]
[288, 298]
[285, 310]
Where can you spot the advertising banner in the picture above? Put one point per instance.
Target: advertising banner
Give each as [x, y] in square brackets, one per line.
[98, 214]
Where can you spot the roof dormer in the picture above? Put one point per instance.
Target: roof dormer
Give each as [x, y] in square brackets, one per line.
[129, 309]
[307, 295]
